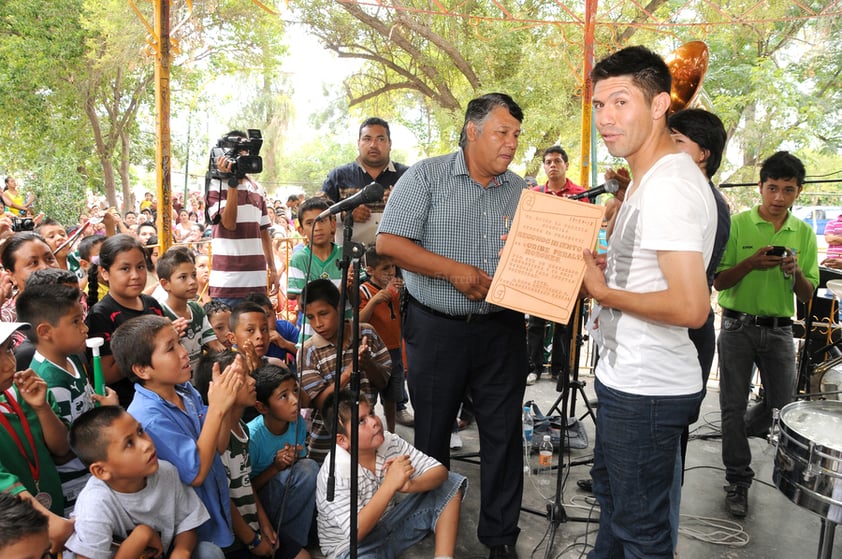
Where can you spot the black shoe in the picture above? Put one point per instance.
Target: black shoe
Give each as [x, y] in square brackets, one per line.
[502, 552]
[736, 500]
[586, 485]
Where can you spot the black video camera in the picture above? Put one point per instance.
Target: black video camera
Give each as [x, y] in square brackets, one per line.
[22, 224]
[233, 148]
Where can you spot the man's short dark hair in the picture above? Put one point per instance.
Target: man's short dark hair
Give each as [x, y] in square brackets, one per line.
[133, 342]
[46, 303]
[315, 203]
[172, 259]
[646, 68]
[375, 121]
[321, 290]
[480, 108]
[127, 212]
[140, 226]
[87, 433]
[783, 165]
[18, 519]
[704, 128]
[244, 307]
[555, 149]
[269, 378]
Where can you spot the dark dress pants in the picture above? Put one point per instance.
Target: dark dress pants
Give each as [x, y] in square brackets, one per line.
[487, 356]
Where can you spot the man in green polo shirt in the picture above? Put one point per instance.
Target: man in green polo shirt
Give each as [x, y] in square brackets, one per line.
[769, 256]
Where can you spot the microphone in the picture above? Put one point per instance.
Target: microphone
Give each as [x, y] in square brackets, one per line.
[372, 192]
[611, 186]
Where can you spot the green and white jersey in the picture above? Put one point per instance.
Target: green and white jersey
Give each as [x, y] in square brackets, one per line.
[199, 331]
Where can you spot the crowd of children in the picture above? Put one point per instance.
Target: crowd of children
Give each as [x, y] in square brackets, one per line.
[210, 433]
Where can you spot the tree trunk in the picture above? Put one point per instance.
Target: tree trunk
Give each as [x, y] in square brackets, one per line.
[128, 197]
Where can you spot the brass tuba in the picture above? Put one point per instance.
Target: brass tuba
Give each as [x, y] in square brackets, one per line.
[687, 65]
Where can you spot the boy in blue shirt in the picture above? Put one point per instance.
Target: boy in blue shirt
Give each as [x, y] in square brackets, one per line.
[277, 451]
[186, 433]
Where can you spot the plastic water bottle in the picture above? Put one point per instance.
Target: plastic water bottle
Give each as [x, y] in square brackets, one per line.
[528, 425]
[545, 461]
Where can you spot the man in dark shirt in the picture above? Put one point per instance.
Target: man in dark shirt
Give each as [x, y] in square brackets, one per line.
[372, 164]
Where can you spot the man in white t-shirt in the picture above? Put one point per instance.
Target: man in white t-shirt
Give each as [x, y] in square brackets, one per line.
[651, 287]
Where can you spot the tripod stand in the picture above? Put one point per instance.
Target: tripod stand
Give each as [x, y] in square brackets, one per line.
[568, 389]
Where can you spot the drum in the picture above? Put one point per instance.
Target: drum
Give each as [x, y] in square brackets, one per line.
[808, 461]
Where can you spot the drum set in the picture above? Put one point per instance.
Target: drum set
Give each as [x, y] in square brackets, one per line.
[807, 435]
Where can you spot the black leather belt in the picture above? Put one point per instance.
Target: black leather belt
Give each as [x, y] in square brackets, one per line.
[766, 321]
[455, 317]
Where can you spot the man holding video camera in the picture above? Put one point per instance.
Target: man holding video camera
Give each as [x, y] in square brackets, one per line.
[242, 247]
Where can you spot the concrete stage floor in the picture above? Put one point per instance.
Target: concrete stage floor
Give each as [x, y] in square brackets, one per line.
[775, 528]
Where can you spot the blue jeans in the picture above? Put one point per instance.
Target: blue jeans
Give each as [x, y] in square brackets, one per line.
[410, 521]
[741, 346]
[635, 470]
[297, 503]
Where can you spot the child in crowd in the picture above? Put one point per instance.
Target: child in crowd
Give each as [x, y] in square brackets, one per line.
[55, 235]
[32, 440]
[219, 317]
[48, 277]
[88, 250]
[254, 532]
[153, 249]
[318, 360]
[380, 305]
[283, 334]
[59, 333]
[134, 505]
[177, 274]
[203, 275]
[122, 263]
[325, 254]
[23, 530]
[147, 203]
[250, 335]
[284, 479]
[186, 433]
[388, 465]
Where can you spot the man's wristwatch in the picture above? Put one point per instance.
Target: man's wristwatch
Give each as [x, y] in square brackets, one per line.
[255, 542]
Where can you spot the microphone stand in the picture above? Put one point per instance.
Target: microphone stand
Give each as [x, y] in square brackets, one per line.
[351, 253]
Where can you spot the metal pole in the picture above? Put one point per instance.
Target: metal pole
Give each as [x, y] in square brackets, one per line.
[162, 105]
[587, 92]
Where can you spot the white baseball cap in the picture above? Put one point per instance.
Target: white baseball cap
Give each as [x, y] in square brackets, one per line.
[9, 328]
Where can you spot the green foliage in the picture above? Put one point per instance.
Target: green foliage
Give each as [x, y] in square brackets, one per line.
[60, 195]
[775, 83]
[308, 164]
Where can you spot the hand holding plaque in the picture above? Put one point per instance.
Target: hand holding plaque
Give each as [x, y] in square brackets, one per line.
[541, 267]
